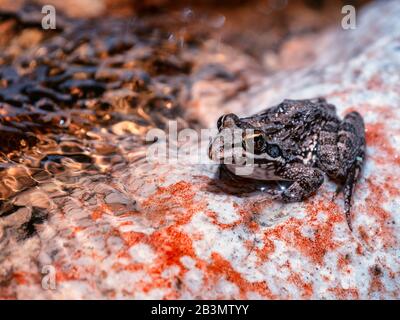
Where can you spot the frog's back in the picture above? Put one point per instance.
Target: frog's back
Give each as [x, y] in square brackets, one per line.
[294, 117]
[291, 108]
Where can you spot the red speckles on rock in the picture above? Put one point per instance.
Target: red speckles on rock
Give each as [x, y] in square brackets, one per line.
[132, 237]
[383, 230]
[169, 208]
[248, 212]
[101, 210]
[320, 242]
[67, 273]
[376, 284]
[345, 293]
[171, 244]
[392, 186]
[220, 267]
[305, 287]
[343, 262]
[214, 218]
[266, 250]
[376, 136]
[19, 277]
[175, 202]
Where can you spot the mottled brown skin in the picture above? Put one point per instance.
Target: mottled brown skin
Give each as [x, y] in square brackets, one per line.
[298, 141]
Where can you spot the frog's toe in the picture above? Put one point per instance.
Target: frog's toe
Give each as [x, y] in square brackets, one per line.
[348, 187]
[339, 189]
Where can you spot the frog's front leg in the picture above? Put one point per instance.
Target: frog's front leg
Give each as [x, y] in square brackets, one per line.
[306, 181]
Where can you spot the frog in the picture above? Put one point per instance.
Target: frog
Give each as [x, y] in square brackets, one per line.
[298, 141]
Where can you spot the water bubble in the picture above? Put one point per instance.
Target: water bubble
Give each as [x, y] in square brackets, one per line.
[218, 22]
[187, 14]
[171, 37]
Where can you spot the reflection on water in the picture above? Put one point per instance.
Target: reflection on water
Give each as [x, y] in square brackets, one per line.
[76, 102]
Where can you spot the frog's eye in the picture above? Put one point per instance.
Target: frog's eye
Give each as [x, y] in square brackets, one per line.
[274, 151]
[229, 120]
[220, 122]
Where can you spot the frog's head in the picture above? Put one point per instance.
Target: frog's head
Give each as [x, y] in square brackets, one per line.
[239, 143]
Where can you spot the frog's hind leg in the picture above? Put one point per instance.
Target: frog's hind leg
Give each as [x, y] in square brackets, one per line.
[340, 154]
[351, 148]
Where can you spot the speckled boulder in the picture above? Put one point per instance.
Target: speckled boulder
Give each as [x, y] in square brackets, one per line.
[174, 231]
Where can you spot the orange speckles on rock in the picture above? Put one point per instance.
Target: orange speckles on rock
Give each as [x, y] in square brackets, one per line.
[326, 278]
[343, 262]
[132, 267]
[373, 206]
[77, 254]
[375, 191]
[126, 223]
[171, 245]
[313, 248]
[376, 136]
[321, 241]
[64, 274]
[345, 293]
[78, 229]
[100, 211]
[375, 132]
[197, 236]
[249, 245]
[20, 277]
[359, 249]
[214, 218]
[305, 287]
[376, 284]
[391, 186]
[341, 93]
[267, 249]
[123, 254]
[97, 214]
[222, 267]
[168, 208]
[253, 226]
[247, 213]
[175, 202]
[131, 237]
